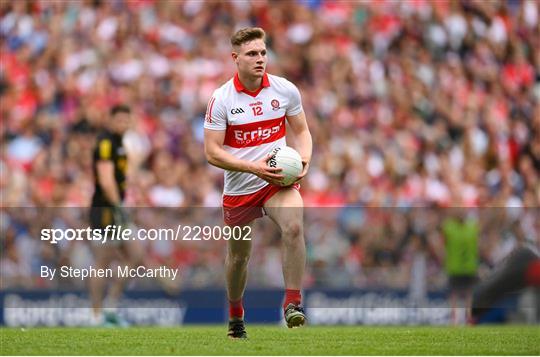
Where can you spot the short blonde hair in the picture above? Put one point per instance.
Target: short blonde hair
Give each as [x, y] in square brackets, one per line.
[247, 34]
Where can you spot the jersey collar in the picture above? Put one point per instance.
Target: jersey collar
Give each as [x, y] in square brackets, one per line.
[240, 87]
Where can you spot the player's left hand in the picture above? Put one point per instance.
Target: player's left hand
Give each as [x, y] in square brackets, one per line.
[304, 171]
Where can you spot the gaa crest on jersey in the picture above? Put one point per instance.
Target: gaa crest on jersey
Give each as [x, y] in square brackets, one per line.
[237, 111]
[275, 104]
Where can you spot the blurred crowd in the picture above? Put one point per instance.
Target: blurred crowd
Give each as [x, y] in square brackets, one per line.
[411, 103]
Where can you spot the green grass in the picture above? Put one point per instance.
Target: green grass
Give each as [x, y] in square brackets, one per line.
[273, 340]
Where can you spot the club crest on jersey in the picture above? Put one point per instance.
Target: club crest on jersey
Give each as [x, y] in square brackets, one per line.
[275, 104]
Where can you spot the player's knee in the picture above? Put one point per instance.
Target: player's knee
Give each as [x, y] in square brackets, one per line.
[291, 230]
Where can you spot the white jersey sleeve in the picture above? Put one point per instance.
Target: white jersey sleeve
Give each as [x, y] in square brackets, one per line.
[295, 100]
[216, 113]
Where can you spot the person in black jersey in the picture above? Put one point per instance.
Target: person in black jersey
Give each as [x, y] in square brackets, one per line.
[110, 163]
[110, 171]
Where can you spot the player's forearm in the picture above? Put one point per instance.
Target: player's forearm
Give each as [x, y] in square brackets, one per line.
[304, 145]
[111, 191]
[226, 161]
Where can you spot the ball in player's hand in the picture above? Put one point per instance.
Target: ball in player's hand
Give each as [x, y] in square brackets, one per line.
[289, 161]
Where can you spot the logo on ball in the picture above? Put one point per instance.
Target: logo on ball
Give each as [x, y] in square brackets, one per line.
[289, 161]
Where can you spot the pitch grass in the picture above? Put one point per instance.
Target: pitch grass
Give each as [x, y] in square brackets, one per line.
[273, 340]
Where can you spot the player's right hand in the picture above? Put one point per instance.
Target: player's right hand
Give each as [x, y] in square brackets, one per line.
[121, 218]
[263, 170]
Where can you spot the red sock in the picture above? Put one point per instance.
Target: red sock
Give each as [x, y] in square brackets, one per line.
[292, 297]
[236, 310]
[532, 276]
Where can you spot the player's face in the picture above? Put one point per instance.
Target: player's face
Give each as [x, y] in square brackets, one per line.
[121, 122]
[250, 58]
